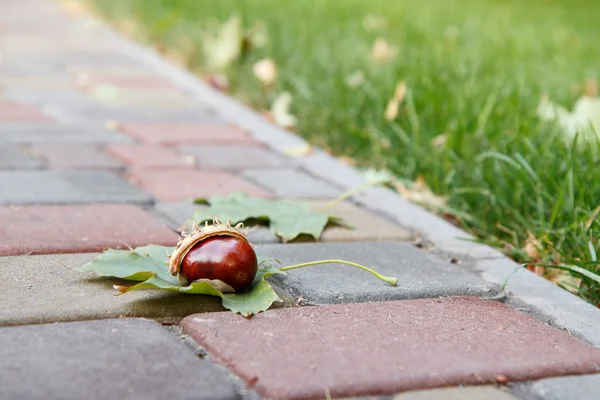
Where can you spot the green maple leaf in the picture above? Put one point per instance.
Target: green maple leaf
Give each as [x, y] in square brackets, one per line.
[286, 219]
[146, 265]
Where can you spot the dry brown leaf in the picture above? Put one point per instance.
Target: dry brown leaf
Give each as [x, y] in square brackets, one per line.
[266, 71]
[420, 193]
[280, 111]
[382, 51]
[391, 110]
[532, 246]
[74, 7]
[591, 88]
[218, 81]
[347, 160]
[299, 151]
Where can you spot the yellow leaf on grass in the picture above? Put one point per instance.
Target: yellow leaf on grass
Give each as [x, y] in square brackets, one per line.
[224, 45]
[391, 110]
[266, 71]
[382, 51]
[299, 151]
[280, 111]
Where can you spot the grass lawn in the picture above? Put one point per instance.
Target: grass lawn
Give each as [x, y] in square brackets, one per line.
[475, 71]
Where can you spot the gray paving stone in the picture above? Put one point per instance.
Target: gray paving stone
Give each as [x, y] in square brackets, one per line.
[46, 289]
[111, 359]
[235, 157]
[86, 114]
[67, 187]
[462, 393]
[38, 97]
[15, 157]
[586, 387]
[419, 274]
[291, 183]
[51, 133]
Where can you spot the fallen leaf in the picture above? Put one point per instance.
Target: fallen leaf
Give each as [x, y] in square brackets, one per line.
[299, 151]
[355, 79]
[391, 110]
[146, 266]
[266, 71]
[347, 160]
[223, 46]
[382, 51]
[584, 119]
[218, 81]
[280, 111]
[286, 219]
[531, 247]
[420, 193]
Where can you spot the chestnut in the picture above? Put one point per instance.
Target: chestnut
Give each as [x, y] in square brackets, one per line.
[218, 253]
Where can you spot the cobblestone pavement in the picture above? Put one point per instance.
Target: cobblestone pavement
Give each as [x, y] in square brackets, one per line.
[81, 171]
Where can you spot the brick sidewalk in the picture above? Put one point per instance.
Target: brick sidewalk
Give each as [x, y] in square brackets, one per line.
[103, 144]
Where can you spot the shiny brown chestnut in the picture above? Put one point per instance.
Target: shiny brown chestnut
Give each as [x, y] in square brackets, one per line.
[217, 253]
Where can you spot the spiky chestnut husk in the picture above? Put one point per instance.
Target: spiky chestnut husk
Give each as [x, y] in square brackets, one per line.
[219, 254]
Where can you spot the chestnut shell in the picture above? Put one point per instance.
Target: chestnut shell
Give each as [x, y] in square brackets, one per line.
[229, 259]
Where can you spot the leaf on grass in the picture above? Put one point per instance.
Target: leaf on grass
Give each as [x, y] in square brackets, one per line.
[286, 219]
[223, 45]
[584, 119]
[420, 193]
[266, 71]
[382, 51]
[146, 265]
[391, 111]
[280, 111]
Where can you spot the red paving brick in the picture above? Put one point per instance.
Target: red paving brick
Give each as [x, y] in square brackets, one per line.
[148, 155]
[387, 347]
[174, 134]
[74, 155]
[19, 112]
[78, 228]
[174, 184]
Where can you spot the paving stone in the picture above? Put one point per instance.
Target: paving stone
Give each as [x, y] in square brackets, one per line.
[54, 133]
[292, 184]
[15, 157]
[149, 155]
[119, 358]
[75, 155]
[163, 98]
[17, 112]
[100, 114]
[463, 393]
[388, 347]
[175, 184]
[174, 134]
[367, 226]
[584, 387]
[78, 228]
[420, 274]
[47, 289]
[68, 187]
[235, 157]
[134, 81]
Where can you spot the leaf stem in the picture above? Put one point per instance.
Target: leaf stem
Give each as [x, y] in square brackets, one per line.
[352, 191]
[390, 280]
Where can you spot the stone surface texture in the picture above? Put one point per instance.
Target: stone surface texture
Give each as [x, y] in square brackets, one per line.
[75, 155]
[586, 387]
[419, 274]
[389, 347]
[463, 393]
[47, 289]
[123, 359]
[176, 184]
[67, 187]
[292, 183]
[178, 133]
[78, 228]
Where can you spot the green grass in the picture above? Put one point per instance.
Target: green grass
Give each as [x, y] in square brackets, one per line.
[475, 70]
